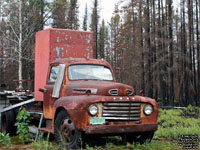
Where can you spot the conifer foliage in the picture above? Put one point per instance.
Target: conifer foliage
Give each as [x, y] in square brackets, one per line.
[152, 45]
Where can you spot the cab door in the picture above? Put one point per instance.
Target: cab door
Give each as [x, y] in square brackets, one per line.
[53, 88]
[48, 99]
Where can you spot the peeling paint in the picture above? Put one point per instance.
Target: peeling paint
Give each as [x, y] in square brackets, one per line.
[54, 44]
[58, 39]
[88, 52]
[66, 37]
[58, 51]
[71, 44]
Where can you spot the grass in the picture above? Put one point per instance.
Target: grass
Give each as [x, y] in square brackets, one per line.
[154, 145]
[44, 144]
[158, 145]
[173, 124]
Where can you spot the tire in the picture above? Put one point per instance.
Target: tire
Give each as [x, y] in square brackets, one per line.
[66, 133]
[142, 138]
[8, 122]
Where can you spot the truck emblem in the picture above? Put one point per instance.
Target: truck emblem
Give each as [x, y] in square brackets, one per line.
[113, 91]
[84, 90]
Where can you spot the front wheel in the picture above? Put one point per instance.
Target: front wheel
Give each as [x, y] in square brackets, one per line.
[142, 138]
[66, 133]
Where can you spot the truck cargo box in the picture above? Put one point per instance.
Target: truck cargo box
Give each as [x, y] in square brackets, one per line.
[53, 44]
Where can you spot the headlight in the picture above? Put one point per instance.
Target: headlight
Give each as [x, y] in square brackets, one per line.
[93, 109]
[148, 109]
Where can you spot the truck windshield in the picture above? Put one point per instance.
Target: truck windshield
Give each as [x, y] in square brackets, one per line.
[89, 72]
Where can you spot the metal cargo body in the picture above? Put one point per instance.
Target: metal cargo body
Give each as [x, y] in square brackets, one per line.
[53, 44]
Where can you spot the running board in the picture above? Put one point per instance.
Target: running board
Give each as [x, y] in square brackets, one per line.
[46, 130]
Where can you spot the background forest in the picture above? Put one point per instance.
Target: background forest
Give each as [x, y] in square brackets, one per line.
[151, 44]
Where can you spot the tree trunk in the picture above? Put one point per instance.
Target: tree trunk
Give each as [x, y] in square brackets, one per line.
[198, 51]
[20, 46]
[171, 93]
[142, 48]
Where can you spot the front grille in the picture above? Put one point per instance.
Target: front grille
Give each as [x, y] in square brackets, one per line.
[121, 111]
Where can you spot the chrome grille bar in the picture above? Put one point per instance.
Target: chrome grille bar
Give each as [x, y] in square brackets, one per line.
[121, 111]
[122, 104]
[121, 115]
[121, 108]
[123, 118]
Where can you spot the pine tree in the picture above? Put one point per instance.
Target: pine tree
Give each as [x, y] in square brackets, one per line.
[95, 25]
[85, 19]
[102, 37]
[59, 13]
[72, 19]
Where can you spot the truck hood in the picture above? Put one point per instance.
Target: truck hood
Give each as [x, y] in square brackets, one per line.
[106, 88]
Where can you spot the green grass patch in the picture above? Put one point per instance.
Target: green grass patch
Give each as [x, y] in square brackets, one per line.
[154, 145]
[158, 145]
[43, 143]
[174, 123]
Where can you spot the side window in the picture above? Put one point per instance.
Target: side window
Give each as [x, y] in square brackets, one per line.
[53, 73]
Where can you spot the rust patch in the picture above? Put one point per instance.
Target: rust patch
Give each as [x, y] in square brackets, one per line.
[117, 129]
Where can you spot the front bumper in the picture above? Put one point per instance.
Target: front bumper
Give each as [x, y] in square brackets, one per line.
[118, 129]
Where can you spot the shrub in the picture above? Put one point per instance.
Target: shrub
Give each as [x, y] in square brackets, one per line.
[191, 112]
[5, 139]
[23, 120]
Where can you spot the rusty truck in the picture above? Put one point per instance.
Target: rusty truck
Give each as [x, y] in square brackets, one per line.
[78, 95]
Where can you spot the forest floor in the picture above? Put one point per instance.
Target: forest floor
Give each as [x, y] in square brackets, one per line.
[109, 144]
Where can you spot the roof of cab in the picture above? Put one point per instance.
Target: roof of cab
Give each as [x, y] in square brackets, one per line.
[81, 61]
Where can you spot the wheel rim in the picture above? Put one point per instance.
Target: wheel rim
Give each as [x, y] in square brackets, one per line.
[138, 137]
[67, 131]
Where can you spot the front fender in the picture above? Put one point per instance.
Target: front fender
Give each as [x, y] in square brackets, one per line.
[77, 108]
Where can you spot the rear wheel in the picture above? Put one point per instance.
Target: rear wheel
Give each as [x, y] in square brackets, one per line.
[142, 138]
[8, 122]
[66, 133]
